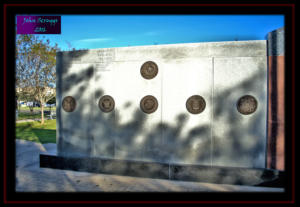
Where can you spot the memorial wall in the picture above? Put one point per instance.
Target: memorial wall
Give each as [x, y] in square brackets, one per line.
[198, 103]
[208, 112]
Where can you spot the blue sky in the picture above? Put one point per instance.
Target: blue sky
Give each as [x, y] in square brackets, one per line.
[105, 31]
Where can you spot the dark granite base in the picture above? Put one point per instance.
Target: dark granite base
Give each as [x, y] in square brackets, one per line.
[197, 173]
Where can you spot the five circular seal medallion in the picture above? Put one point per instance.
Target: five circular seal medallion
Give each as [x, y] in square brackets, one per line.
[195, 104]
[247, 105]
[106, 103]
[149, 104]
[69, 104]
[149, 70]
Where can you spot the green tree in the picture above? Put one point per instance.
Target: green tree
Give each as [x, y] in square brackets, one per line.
[36, 68]
[52, 101]
[26, 94]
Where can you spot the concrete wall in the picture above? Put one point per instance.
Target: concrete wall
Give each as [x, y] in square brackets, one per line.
[220, 72]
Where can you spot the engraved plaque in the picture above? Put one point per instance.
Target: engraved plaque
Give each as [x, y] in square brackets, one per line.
[106, 103]
[247, 105]
[105, 58]
[149, 70]
[148, 104]
[195, 104]
[69, 104]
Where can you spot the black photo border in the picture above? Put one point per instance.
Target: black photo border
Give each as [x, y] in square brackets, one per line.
[12, 197]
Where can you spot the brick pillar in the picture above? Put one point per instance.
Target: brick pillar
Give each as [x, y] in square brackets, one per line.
[275, 156]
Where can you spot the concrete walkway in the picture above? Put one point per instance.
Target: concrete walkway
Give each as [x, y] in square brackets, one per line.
[30, 120]
[31, 178]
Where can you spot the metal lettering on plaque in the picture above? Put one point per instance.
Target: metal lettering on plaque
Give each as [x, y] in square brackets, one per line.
[106, 103]
[149, 104]
[195, 104]
[69, 104]
[247, 105]
[149, 70]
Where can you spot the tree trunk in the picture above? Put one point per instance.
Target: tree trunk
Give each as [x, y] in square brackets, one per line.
[31, 109]
[42, 111]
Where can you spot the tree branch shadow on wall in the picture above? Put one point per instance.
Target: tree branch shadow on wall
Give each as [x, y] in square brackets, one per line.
[240, 147]
[113, 134]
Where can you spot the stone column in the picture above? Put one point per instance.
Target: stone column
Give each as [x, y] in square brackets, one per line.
[275, 157]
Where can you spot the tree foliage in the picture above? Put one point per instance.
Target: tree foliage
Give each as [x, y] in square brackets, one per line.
[26, 94]
[35, 69]
[52, 100]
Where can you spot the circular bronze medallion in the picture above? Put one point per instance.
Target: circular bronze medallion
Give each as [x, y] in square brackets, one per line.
[149, 104]
[69, 104]
[149, 70]
[195, 104]
[106, 103]
[247, 105]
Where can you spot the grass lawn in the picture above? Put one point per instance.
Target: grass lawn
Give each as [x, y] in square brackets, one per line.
[35, 132]
[35, 115]
[26, 108]
[26, 115]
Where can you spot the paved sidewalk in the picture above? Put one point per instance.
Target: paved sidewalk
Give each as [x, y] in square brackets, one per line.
[31, 178]
[31, 120]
